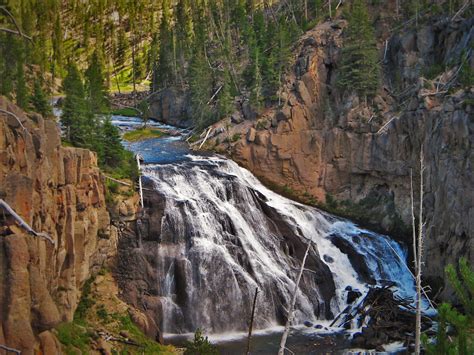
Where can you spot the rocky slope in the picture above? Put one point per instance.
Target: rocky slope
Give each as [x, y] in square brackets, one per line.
[354, 157]
[58, 191]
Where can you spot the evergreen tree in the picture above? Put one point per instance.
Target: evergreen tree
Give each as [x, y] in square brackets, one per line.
[122, 47]
[39, 100]
[256, 96]
[461, 341]
[74, 115]
[112, 152]
[359, 67]
[200, 85]
[21, 91]
[97, 95]
[165, 69]
[226, 98]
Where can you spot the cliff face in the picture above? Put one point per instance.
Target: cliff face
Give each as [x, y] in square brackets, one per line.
[59, 191]
[356, 157]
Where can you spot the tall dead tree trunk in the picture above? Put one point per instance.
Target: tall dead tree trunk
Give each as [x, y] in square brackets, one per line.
[418, 257]
[284, 337]
[251, 321]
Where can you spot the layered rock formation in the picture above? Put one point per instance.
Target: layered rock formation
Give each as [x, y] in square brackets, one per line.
[356, 157]
[58, 191]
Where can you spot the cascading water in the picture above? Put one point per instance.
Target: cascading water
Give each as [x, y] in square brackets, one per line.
[222, 234]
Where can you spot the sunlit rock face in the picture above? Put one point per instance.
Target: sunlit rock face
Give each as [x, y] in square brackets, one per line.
[59, 191]
[323, 141]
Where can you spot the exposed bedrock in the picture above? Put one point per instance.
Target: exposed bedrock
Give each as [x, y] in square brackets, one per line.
[355, 157]
[58, 191]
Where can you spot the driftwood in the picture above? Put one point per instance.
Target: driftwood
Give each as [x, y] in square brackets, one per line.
[386, 124]
[205, 138]
[11, 350]
[109, 337]
[382, 316]
[23, 224]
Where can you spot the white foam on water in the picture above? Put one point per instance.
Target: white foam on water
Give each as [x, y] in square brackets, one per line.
[231, 248]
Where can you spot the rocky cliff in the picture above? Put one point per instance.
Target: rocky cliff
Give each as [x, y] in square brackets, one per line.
[59, 191]
[355, 157]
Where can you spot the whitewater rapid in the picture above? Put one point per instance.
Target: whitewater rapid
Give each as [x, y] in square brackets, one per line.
[223, 234]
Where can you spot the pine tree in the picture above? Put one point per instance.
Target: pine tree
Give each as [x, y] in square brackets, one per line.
[39, 100]
[96, 89]
[225, 96]
[462, 341]
[112, 152]
[359, 67]
[122, 47]
[200, 85]
[74, 115]
[165, 69]
[21, 90]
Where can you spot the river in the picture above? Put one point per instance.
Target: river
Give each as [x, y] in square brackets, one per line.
[223, 234]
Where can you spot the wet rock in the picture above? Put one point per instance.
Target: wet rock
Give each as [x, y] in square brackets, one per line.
[353, 295]
[328, 259]
[318, 326]
[308, 324]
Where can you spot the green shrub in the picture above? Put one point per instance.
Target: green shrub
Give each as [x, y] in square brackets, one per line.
[461, 339]
[236, 137]
[200, 345]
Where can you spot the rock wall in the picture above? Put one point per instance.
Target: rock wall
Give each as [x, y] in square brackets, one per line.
[355, 157]
[171, 106]
[59, 191]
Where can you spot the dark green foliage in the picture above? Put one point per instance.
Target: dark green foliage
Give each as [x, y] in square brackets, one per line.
[112, 151]
[96, 88]
[83, 127]
[86, 301]
[200, 345]
[200, 85]
[165, 69]
[359, 68]
[21, 92]
[39, 101]
[461, 336]
[75, 116]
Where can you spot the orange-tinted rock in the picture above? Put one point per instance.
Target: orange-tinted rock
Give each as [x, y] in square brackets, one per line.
[59, 191]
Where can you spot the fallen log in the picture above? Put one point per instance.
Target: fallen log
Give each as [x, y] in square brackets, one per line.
[21, 222]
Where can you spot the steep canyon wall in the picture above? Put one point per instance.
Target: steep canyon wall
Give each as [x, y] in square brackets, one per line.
[59, 191]
[354, 157]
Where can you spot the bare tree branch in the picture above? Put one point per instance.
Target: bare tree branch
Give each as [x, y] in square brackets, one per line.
[23, 224]
[14, 116]
[19, 31]
[4, 347]
[281, 351]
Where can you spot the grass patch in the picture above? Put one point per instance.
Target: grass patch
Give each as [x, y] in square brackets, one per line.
[149, 346]
[74, 337]
[142, 133]
[126, 111]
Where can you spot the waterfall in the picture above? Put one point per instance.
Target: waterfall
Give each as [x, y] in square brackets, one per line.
[222, 233]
